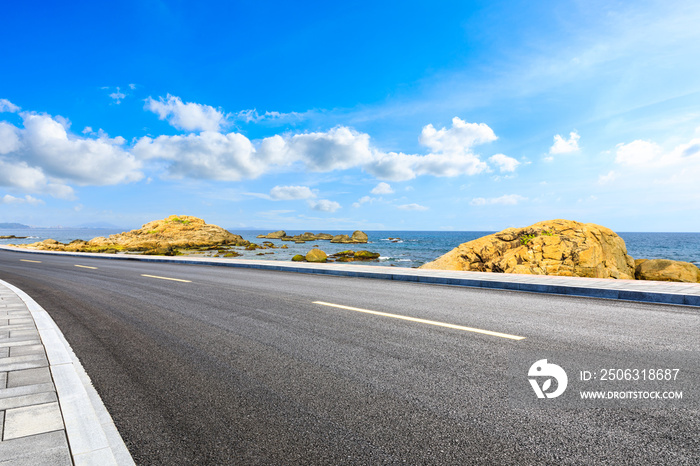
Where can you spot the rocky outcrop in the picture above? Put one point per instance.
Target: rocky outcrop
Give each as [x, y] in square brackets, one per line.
[351, 256]
[316, 255]
[554, 247]
[274, 235]
[666, 270]
[357, 237]
[159, 237]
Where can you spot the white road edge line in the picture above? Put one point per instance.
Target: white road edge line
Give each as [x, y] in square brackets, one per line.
[92, 435]
[166, 278]
[423, 321]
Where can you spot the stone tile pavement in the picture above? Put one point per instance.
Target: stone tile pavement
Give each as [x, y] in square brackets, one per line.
[49, 412]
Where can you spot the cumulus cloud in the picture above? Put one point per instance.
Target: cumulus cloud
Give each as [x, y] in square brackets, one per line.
[506, 199]
[565, 146]
[451, 154]
[647, 154]
[44, 157]
[338, 149]
[187, 116]
[102, 161]
[7, 106]
[382, 188]
[504, 163]
[8, 199]
[9, 138]
[288, 193]
[411, 207]
[324, 205]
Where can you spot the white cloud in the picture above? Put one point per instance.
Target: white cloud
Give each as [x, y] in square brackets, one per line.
[363, 200]
[44, 157]
[452, 154]
[9, 138]
[412, 207]
[8, 199]
[132, 86]
[647, 154]
[506, 199]
[288, 193]
[459, 138]
[88, 161]
[208, 155]
[504, 163]
[338, 149]
[564, 146]
[117, 96]
[608, 178]
[382, 188]
[324, 205]
[7, 106]
[186, 116]
[252, 116]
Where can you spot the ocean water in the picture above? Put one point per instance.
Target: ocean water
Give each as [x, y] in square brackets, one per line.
[412, 249]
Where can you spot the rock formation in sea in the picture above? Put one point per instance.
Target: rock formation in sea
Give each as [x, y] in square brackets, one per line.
[553, 247]
[357, 237]
[666, 270]
[157, 237]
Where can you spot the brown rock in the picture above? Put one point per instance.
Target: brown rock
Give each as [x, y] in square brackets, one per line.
[554, 247]
[274, 235]
[316, 255]
[666, 270]
[160, 235]
[357, 237]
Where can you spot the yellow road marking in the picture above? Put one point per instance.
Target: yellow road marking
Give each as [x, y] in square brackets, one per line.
[85, 266]
[166, 278]
[27, 260]
[423, 321]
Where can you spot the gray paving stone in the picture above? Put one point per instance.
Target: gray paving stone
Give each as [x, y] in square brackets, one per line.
[26, 390]
[29, 377]
[30, 420]
[3, 379]
[47, 449]
[23, 333]
[4, 322]
[20, 341]
[21, 320]
[26, 349]
[18, 366]
[27, 400]
[4, 353]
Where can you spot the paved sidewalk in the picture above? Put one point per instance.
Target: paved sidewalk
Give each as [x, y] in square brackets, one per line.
[49, 412]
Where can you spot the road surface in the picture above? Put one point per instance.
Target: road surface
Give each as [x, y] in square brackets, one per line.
[217, 365]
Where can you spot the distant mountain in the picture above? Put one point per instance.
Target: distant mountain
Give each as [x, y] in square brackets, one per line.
[13, 225]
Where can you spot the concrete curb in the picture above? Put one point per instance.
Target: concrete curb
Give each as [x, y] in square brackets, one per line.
[685, 294]
[92, 436]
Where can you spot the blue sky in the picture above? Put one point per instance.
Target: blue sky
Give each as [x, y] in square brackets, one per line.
[341, 116]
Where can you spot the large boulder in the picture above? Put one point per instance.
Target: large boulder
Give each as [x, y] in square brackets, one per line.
[316, 255]
[553, 247]
[666, 271]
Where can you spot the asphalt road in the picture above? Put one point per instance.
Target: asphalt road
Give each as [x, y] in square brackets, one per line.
[238, 366]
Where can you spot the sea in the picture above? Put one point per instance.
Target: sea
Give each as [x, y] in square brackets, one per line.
[396, 248]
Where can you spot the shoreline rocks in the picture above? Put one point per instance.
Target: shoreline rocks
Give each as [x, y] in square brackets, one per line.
[162, 237]
[553, 247]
